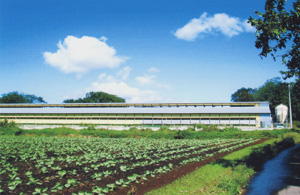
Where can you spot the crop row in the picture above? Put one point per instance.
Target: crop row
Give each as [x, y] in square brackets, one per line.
[47, 165]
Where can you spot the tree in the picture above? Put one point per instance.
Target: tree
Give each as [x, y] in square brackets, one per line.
[278, 95]
[16, 97]
[295, 94]
[97, 97]
[243, 95]
[275, 92]
[279, 30]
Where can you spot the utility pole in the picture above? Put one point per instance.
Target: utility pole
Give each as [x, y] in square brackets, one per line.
[290, 105]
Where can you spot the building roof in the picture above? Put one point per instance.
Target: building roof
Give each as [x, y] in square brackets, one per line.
[74, 105]
[139, 110]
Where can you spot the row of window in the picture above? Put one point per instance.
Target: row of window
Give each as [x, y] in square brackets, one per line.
[160, 119]
[124, 117]
[129, 115]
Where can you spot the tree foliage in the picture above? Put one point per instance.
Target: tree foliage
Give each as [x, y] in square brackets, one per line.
[16, 97]
[243, 95]
[295, 93]
[275, 92]
[278, 30]
[97, 97]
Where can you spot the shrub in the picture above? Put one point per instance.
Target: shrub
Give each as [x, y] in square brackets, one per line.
[163, 133]
[296, 124]
[9, 128]
[294, 135]
[133, 129]
[147, 130]
[260, 155]
[7, 124]
[91, 127]
[191, 129]
[209, 128]
[230, 129]
[237, 178]
[186, 134]
[164, 129]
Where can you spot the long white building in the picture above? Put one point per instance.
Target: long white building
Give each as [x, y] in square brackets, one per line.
[235, 113]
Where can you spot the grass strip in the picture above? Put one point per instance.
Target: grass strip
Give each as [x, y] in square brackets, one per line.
[162, 133]
[229, 175]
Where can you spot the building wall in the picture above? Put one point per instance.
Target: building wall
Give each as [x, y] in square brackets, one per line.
[266, 121]
[240, 114]
[172, 119]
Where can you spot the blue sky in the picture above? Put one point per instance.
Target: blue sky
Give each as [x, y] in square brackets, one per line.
[144, 51]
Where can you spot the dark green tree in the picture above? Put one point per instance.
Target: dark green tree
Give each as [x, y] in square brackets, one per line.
[278, 34]
[295, 94]
[243, 95]
[280, 96]
[266, 91]
[276, 92]
[16, 97]
[97, 97]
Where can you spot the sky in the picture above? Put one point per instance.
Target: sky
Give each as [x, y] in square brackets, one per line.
[142, 50]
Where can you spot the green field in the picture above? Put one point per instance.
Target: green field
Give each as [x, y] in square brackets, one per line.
[98, 161]
[96, 165]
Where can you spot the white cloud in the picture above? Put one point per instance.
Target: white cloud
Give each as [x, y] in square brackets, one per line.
[227, 25]
[122, 89]
[117, 84]
[102, 76]
[153, 70]
[248, 26]
[124, 73]
[81, 55]
[145, 80]
[150, 80]
[160, 85]
[103, 38]
[106, 78]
